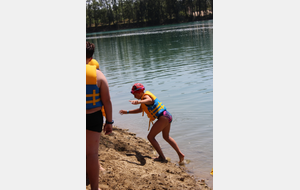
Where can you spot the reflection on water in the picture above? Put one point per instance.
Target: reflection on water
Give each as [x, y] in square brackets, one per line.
[175, 63]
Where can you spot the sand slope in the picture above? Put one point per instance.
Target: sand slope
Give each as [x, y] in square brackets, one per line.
[128, 165]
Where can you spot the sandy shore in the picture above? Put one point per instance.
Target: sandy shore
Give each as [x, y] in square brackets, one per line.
[128, 165]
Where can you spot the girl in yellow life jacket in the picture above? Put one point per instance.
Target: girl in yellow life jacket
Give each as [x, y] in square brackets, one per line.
[94, 62]
[154, 110]
[97, 96]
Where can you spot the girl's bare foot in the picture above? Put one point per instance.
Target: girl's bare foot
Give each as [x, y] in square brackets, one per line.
[181, 158]
[101, 169]
[159, 159]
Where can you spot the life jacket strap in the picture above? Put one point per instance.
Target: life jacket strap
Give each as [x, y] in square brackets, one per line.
[149, 124]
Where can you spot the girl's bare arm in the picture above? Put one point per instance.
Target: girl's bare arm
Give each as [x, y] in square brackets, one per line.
[138, 110]
[146, 100]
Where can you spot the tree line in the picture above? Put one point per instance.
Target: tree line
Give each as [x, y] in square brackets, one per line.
[140, 12]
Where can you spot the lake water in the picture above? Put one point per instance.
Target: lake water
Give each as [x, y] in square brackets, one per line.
[175, 63]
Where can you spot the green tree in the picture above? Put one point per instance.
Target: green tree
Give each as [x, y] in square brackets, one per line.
[205, 7]
[116, 12]
[103, 16]
[128, 10]
[110, 15]
[121, 8]
[89, 14]
[143, 9]
[190, 8]
[106, 12]
[96, 12]
[137, 12]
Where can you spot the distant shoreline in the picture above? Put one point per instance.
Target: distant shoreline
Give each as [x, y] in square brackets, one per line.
[141, 25]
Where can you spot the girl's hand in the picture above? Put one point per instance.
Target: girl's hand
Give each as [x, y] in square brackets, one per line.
[122, 112]
[134, 102]
[107, 129]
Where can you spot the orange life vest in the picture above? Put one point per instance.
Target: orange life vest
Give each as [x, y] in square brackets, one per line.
[152, 111]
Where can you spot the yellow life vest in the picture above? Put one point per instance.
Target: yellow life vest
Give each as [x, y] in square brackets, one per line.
[94, 62]
[92, 91]
[152, 111]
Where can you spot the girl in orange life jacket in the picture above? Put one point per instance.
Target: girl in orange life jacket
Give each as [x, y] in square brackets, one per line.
[155, 110]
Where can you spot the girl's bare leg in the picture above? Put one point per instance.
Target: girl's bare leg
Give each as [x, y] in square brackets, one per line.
[92, 162]
[158, 126]
[172, 142]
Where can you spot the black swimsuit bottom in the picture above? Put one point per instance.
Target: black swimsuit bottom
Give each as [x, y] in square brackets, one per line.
[94, 121]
